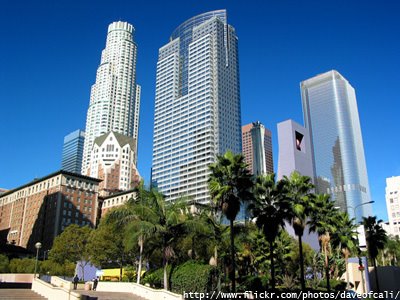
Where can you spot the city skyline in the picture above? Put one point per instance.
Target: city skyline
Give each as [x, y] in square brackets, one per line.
[280, 45]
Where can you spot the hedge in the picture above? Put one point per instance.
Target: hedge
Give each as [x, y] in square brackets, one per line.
[188, 277]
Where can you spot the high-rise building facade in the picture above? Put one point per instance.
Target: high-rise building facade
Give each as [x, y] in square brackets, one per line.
[393, 204]
[197, 105]
[257, 148]
[331, 118]
[115, 97]
[73, 151]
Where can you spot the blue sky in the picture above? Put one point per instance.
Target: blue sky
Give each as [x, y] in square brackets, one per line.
[50, 51]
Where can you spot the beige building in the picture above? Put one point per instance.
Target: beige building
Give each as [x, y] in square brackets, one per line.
[40, 210]
[113, 160]
[116, 200]
[393, 204]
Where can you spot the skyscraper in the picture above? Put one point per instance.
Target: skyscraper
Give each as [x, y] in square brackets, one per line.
[331, 117]
[257, 148]
[73, 151]
[197, 105]
[115, 97]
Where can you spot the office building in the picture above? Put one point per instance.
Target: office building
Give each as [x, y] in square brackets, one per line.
[115, 97]
[294, 150]
[257, 148]
[393, 204]
[40, 210]
[73, 151]
[113, 160]
[331, 118]
[197, 105]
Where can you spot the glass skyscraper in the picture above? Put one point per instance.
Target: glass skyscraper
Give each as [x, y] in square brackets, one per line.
[331, 117]
[73, 151]
[197, 105]
[115, 97]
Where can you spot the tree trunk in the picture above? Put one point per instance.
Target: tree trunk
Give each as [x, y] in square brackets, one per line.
[139, 272]
[83, 270]
[271, 251]
[376, 276]
[346, 259]
[302, 279]
[165, 275]
[327, 273]
[232, 258]
[120, 272]
[218, 268]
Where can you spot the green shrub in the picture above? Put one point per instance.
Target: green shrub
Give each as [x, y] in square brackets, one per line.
[4, 262]
[192, 276]
[155, 279]
[336, 285]
[24, 265]
[251, 283]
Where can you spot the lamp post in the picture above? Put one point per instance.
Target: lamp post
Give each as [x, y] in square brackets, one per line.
[38, 245]
[360, 264]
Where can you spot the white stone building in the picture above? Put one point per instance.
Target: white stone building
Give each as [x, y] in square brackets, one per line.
[113, 159]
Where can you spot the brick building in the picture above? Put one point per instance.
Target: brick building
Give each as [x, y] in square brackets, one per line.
[40, 210]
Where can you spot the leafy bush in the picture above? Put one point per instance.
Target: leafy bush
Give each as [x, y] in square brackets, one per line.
[4, 262]
[192, 276]
[51, 267]
[25, 265]
[336, 285]
[251, 283]
[154, 279]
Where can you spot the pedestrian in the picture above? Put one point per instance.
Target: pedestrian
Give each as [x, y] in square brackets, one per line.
[75, 281]
[95, 282]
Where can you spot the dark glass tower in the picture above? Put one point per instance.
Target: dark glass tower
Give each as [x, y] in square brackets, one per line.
[73, 151]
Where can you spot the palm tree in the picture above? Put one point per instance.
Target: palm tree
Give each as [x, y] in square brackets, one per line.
[299, 196]
[344, 238]
[230, 184]
[323, 222]
[134, 210]
[269, 209]
[376, 238]
[164, 221]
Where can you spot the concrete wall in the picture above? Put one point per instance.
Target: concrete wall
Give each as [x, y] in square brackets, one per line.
[22, 278]
[137, 289]
[121, 287]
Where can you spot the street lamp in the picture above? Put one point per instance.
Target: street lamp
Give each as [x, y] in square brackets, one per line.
[38, 245]
[360, 265]
[359, 205]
